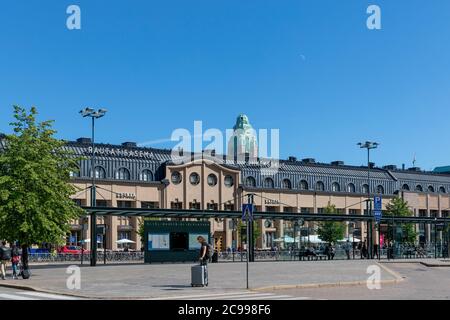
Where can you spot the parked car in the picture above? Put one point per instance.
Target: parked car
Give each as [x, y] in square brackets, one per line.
[71, 250]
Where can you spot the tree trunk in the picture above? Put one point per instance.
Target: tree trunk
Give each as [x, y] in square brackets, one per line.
[25, 256]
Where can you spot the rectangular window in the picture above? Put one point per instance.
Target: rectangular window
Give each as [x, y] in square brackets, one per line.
[124, 204]
[289, 209]
[353, 212]
[149, 205]
[212, 206]
[194, 206]
[179, 241]
[101, 203]
[176, 205]
[77, 202]
[229, 207]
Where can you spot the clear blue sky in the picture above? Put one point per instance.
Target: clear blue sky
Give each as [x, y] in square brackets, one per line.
[310, 68]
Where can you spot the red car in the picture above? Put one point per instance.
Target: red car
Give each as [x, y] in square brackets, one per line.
[71, 250]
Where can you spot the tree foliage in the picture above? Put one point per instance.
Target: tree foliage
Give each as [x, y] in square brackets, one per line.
[35, 204]
[399, 207]
[331, 231]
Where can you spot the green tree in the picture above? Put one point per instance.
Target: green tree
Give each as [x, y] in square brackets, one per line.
[35, 204]
[331, 231]
[242, 228]
[399, 207]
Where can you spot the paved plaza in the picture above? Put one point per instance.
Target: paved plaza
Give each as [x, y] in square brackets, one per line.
[141, 281]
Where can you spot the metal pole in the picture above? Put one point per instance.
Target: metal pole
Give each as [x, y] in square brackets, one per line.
[353, 242]
[369, 235]
[435, 239]
[233, 241]
[379, 241]
[93, 202]
[248, 237]
[104, 246]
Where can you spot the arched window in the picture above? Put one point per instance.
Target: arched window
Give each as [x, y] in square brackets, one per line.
[351, 188]
[100, 173]
[250, 182]
[228, 181]
[335, 187]
[287, 184]
[419, 188]
[176, 177]
[380, 189]
[194, 178]
[320, 186]
[405, 187]
[123, 174]
[146, 175]
[268, 183]
[304, 185]
[442, 190]
[430, 189]
[212, 180]
[365, 188]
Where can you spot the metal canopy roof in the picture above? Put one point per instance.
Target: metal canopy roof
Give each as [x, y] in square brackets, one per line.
[173, 213]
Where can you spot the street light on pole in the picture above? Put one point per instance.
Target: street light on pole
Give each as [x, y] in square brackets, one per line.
[369, 146]
[93, 114]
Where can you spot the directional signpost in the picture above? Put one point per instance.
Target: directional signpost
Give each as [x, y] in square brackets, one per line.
[247, 215]
[378, 213]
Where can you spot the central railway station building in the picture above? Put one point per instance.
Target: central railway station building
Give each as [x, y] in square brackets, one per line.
[128, 176]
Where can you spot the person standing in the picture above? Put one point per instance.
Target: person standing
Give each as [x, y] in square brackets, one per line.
[15, 258]
[5, 257]
[204, 255]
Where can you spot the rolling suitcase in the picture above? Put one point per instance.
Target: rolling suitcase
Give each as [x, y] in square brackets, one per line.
[199, 276]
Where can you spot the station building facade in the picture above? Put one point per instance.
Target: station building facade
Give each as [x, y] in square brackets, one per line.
[128, 176]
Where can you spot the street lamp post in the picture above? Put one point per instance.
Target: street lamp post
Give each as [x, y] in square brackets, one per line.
[369, 146]
[89, 112]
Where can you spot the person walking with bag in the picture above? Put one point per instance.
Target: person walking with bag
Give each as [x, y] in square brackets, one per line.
[15, 259]
[5, 257]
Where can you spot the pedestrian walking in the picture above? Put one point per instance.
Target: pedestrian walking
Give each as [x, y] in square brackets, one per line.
[15, 259]
[364, 251]
[376, 251]
[5, 257]
[347, 249]
[332, 251]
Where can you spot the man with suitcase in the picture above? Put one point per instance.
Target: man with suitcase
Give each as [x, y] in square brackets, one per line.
[200, 273]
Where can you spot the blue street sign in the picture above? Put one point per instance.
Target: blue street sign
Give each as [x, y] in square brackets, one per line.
[247, 211]
[378, 207]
